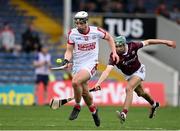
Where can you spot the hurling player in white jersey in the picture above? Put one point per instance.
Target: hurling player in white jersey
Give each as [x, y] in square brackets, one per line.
[83, 49]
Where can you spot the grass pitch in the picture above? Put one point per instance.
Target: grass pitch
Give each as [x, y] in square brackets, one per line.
[42, 117]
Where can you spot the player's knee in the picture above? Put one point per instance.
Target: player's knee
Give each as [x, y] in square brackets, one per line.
[75, 83]
[84, 94]
[129, 89]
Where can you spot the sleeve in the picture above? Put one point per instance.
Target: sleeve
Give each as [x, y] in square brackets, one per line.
[12, 39]
[36, 57]
[143, 43]
[70, 39]
[111, 62]
[49, 59]
[137, 45]
[101, 32]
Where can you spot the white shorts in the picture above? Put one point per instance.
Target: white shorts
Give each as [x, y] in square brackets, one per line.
[141, 72]
[91, 68]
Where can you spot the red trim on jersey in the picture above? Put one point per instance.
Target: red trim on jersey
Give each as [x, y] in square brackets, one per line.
[69, 35]
[103, 31]
[94, 69]
[86, 32]
[70, 43]
[68, 38]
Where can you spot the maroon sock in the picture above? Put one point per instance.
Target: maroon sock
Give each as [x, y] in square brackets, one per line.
[125, 111]
[77, 106]
[92, 108]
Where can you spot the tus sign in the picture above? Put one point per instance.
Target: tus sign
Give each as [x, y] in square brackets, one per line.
[131, 27]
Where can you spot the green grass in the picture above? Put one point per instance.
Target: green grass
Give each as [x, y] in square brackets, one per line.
[42, 117]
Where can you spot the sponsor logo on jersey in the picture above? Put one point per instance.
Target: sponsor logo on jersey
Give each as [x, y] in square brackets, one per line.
[129, 61]
[78, 38]
[87, 47]
[86, 38]
[142, 70]
[133, 52]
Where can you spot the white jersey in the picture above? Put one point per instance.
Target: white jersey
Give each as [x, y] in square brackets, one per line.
[43, 70]
[86, 46]
[7, 38]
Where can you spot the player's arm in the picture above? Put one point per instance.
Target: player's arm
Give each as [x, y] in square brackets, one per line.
[104, 75]
[110, 40]
[49, 62]
[159, 41]
[68, 54]
[38, 63]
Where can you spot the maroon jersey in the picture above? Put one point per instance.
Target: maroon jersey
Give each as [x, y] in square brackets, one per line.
[129, 62]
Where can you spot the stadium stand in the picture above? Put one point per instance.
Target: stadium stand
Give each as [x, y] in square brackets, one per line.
[18, 69]
[53, 8]
[127, 6]
[16, 18]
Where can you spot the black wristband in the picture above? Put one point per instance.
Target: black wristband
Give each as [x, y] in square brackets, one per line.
[65, 61]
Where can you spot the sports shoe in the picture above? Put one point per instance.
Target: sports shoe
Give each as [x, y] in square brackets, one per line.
[121, 116]
[153, 110]
[74, 114]
[96, 118]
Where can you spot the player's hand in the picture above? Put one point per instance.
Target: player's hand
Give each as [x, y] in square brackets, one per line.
[47, 63]
[115, 57]
[69, 67]
[96, 87]
[172, 44]
[44, 63]
[65, 62]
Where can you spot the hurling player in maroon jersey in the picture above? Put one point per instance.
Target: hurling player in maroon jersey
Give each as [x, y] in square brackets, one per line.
[133, 71]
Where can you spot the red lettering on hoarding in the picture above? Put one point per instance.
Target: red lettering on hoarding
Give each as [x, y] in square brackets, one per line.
[112, 93]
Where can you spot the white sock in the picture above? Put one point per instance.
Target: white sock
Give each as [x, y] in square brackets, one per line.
[154, 104]
[94, 112]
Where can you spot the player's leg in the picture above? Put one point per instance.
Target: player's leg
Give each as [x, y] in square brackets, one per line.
[88, 99]
[133, 82]
[45, 82]
[141, 93]
[38, 83]
[89, 102]
[36, 93]
[77, 80]
[154, 105]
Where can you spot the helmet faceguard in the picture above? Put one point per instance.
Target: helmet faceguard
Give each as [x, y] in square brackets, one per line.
[120, 40]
